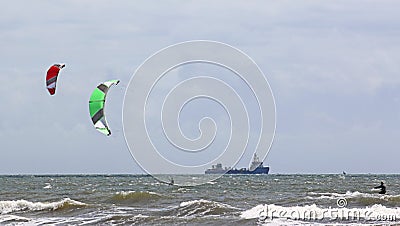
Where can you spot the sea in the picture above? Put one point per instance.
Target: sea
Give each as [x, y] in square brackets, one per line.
[230, 200]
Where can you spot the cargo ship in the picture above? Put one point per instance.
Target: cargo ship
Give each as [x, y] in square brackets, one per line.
[255, 168]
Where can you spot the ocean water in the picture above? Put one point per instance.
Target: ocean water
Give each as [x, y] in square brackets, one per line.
[230, 200]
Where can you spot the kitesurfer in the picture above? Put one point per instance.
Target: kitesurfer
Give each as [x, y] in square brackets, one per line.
[382, 187]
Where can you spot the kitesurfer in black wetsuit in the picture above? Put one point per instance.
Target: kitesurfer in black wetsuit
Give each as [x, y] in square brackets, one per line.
[382, 187]
[171, 181]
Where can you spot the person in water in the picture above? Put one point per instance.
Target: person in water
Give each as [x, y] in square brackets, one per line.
[171, 181]
[382, 187]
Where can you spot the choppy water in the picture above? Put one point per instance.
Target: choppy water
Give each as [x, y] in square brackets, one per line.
[230, 200]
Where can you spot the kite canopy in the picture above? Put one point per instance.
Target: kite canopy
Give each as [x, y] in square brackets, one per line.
[51, 78]
[96, 106]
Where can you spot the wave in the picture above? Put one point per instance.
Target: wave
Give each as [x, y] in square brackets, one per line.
[313, 213]
[363, 198]
[202, 207]
[23, 205]
[354, 194]
[136, 196]
[5, 219]
[48, 186]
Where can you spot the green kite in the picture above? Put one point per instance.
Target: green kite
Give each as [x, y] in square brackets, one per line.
[96, 106]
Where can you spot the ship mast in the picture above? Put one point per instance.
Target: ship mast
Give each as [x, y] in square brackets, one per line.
[256, 162]
[255, 158]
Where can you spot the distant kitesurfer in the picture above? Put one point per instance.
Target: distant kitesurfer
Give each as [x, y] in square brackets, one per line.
[382, 187]
[171, 181]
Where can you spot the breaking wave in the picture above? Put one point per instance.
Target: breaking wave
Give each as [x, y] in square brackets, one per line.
[202, 207]
[23, 205]
[363, 198]
[5, 219]
[136, 196]
[314, 213]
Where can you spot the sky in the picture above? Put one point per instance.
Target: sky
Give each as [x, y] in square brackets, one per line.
[333, 67]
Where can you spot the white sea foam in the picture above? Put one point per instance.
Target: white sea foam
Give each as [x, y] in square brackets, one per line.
[349, 195]
[205, 202]
[138, 194]
[127, 193]
[13, 218]
[141, 216]
[23, 205]
[202, 207]
[192, 202]
[314, 213]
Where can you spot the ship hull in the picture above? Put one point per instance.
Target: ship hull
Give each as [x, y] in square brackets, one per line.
[259, 170]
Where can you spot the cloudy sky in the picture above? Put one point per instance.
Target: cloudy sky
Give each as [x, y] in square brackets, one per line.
[333, 67]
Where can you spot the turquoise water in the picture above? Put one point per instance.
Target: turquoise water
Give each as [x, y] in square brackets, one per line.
[230, 200]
